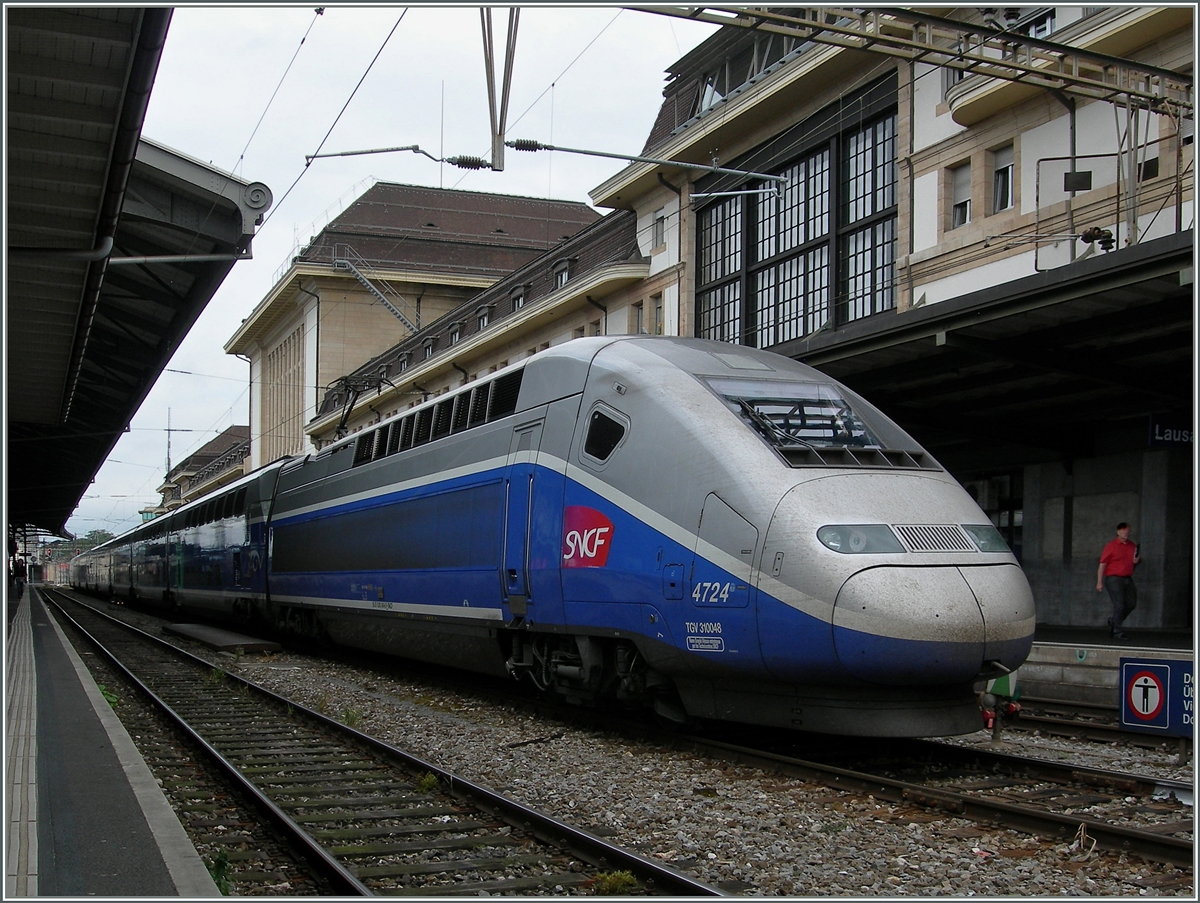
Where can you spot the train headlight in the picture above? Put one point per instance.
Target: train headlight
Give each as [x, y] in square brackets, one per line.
[986, 537]
[859, 539]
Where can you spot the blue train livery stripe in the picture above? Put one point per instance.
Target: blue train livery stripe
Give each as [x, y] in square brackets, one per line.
[462, 613]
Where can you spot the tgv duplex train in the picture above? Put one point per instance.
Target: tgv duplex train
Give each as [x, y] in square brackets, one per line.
[719, 532]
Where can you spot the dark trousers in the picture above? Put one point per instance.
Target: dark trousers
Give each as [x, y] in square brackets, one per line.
[1123, 594]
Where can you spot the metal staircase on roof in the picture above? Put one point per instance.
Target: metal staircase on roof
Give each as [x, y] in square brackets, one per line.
[346, 258]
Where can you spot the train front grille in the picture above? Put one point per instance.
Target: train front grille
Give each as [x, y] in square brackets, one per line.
[935, 538]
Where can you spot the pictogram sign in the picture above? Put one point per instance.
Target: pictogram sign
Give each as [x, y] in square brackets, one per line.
[1156, 696]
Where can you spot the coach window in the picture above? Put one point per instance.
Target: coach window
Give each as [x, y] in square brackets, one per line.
[606, 430]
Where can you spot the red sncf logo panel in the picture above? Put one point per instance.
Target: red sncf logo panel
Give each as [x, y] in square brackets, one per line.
[587, 537]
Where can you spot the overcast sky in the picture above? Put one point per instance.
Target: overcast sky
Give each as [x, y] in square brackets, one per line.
[583, 77]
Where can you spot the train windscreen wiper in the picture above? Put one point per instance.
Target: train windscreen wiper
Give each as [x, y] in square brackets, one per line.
[768, 427]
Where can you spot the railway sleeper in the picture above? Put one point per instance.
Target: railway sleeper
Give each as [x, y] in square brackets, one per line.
[499, 886]
[486, 864]
[934, 800]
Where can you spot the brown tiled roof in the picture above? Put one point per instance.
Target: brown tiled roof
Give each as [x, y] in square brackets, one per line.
[437, 229]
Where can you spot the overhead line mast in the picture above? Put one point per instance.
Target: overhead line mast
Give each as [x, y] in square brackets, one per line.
[499, 117]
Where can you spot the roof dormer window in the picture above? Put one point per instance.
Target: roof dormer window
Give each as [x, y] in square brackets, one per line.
[562, 272]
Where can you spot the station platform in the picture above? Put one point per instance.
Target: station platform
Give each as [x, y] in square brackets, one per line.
[85, 815]
[1081, 665]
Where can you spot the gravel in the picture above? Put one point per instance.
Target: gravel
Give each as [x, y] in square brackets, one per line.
[735, 827]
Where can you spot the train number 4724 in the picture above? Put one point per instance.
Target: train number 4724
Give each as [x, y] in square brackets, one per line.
[712, 592]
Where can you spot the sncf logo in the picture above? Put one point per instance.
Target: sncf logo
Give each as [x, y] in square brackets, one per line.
[587, 537]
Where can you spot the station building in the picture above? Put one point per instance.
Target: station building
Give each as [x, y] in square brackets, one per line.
[215, 464]
[396, 259]
[982, 220]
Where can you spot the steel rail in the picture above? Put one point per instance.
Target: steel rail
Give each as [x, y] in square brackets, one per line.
[341, 880]
[1085, 729]
[1159, 848]
[1123, 780]
[657, 877]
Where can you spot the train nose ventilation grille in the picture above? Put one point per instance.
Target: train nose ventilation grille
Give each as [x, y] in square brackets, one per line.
[839, 456]
[935, 538]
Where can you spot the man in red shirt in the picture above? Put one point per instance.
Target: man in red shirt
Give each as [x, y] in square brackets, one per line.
[1115, 574]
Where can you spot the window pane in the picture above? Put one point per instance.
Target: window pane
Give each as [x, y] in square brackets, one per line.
[1002, 179]
[868, 257]
[604, 435]
[720, 240]
[718, 313]
[870, 178]
[799, 212]
[816, 295]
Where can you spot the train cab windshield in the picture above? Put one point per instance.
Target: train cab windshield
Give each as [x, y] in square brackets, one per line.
[808, 415]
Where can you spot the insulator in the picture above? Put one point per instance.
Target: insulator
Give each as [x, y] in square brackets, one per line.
[468, 162]
[524, 144]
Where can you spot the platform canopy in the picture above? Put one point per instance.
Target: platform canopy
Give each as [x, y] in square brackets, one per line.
[115, 244]
[1047, 367]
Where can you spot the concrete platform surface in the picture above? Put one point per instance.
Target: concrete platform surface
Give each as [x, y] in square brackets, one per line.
[222, 639]
[85, 815]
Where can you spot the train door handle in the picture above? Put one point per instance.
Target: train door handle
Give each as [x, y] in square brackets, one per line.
[512, 576]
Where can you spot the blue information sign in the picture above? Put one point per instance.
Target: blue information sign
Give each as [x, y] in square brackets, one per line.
[1157, 696]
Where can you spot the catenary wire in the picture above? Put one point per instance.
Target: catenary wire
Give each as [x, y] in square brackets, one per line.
[308, 161]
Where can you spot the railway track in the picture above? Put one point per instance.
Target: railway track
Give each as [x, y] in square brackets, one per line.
[1086, 723]
[368, 817]
[1095, 810]
[1100, 809]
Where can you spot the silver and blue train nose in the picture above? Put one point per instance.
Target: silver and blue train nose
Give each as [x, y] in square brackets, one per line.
[932, 624]
[915, 584]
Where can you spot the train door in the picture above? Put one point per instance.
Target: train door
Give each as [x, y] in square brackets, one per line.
[518, 514]
[721, 585]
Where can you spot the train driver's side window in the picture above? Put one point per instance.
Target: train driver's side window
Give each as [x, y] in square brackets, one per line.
[606, 430]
